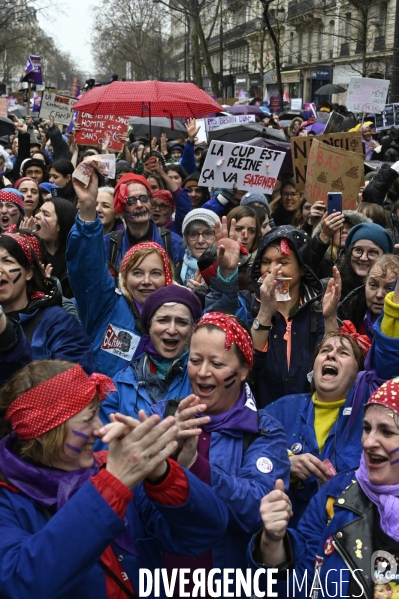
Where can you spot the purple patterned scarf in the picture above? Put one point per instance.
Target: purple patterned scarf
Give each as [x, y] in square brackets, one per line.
[243, 416]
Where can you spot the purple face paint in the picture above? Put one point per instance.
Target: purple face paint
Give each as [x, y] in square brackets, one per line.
[79, 434]
[47, 224]
[392, 452]
[73, 448]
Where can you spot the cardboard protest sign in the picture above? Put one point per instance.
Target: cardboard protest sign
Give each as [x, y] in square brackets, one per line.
[60, 107]
[333, 169]
[245, 167]
[296, 103]
[3, 107]
[300, 150]
[219, 122]
[366, 94]
[92, 129]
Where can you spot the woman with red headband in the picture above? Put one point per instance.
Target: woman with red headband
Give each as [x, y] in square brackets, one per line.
[240, 451]
[349, 535]
[111, 316]
[33, 304]
[70, 525]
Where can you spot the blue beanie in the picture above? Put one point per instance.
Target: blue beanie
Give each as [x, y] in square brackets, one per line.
[252, 196]
[372, 232]
[48, 186]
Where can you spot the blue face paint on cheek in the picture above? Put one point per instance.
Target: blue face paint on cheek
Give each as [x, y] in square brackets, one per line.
[81, 435]
[73, 448]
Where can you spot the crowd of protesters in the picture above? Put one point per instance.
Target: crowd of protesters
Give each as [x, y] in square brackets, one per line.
[193, 377]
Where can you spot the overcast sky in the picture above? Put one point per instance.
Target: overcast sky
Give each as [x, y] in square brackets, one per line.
[72, 31]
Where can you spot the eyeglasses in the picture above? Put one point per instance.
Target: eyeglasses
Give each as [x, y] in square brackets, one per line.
[357, 252]
[160, 207]
[134, 199]
[289, 194]
[207, 235]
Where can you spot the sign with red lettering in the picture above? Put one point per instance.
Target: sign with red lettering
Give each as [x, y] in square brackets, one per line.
[245, 167]
[60, 107]
[92, 128]
[300, 150]
[120, 342]
[333, 169]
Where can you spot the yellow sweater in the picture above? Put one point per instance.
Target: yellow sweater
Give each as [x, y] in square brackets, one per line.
[390, 320]
[325, 416]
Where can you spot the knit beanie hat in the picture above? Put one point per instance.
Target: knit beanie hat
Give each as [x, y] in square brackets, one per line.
[47, 187]
[33, 162]
[191, 180]
[172, 294]
[207, 216]
[120, 192]
[371, 232]
[9, 194]
[251, 197]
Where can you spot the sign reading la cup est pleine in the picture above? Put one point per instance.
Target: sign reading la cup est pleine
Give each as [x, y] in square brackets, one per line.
[57, 106]
[240, 166]
[367, 95]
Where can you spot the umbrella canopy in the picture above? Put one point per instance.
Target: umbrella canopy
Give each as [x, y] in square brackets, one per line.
[6, 126]
[159, 125]
[244, 109]
[329, 89]
[316, 127]
[18, 110]
[148, 98]
[244, 132]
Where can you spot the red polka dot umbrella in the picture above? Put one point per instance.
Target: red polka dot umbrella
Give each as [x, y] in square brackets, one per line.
[147, 99]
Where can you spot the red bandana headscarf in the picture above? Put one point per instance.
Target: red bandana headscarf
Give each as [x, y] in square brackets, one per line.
[55, 401]
[155, 246]
[121, 193]
[362, 341]
[387, 395]
[166, 196]
[18, 183]
[235, 333]
[28, 243]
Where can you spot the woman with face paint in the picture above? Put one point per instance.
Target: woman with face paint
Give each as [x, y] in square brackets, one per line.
[84, 534]
[12, 208]
[34, 302]
[160, 360]
[351, 525]
[240, 451]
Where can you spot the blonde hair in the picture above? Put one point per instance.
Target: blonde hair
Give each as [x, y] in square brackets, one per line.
[136, 259]
[386, 262]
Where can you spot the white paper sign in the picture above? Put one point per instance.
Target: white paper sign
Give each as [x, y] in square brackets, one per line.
[296, 103]
[366, 94]
[201, 135]
[60, 107]
[247, 167]
[219, 122]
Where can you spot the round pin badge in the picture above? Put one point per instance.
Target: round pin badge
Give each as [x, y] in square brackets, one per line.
[296, 448]
[328, 546]
[264, 465]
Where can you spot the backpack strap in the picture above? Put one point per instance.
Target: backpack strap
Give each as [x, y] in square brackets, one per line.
[115, 248]
[167, 241]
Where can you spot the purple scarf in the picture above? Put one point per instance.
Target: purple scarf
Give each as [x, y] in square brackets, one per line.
[243, 416]
[138, 306]
[368, 322]
[147, 346]
[385, 497]
[46, 486]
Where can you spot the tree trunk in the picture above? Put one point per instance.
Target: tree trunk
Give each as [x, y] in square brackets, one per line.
[262, 59]
[196, 53]
[276, 48]
[207, 60]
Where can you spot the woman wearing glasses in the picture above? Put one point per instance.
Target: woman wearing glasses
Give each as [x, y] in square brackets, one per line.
[111, 316]
[199, 234]
[288, 206]
[364, 244]
[132, 200]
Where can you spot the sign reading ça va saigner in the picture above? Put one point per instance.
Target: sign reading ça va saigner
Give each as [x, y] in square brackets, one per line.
[245, 167]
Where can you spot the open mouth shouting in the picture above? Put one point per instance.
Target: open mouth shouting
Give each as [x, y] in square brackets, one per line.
[205, 390]
[375, 460]
[329, 371]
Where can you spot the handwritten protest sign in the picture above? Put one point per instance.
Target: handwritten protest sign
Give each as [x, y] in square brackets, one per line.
[296, 103]
[366, 94]
[333, 169]
[218, 122]
[93, 128]
[3, 107]
[246, 167]
[300, 150]
[60, 107]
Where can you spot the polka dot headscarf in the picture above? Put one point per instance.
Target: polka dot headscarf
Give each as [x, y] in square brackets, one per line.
[55, 401]
[235, 333]
[155, 246]
[387, 395]
[166, 196]
[13, 196]
[29, 243]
